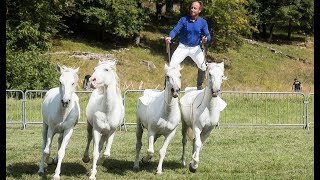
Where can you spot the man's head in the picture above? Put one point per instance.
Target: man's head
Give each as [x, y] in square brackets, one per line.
[195, 9]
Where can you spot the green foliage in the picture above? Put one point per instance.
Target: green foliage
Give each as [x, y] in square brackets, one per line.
[298, 13]
[29, 70]
[123, 18]
[30, 24]
[228, 20]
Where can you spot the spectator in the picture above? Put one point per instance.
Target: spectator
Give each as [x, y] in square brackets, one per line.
[297, 86]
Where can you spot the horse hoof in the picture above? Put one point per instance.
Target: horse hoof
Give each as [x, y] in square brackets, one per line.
[55, 161]
[40, 173]
[145, 161]
[136, 168]
[86, 159]
[49, 160]
[183, 163]
[56, 177]
[191, 169]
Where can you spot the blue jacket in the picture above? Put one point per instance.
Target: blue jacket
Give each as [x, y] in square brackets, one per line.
[190, 31]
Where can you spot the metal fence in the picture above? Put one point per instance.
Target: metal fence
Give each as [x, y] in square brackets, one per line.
[243, 109]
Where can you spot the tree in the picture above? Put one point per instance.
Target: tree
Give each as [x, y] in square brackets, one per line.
[121, 18]
[228, 20]
[29, 70]
[31, 24]
[282, 13]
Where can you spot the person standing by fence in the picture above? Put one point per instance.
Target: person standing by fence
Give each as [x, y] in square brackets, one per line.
[191, 28]
[297, 85]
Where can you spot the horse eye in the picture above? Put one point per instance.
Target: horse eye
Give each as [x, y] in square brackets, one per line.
[72, 84]
[106, 69]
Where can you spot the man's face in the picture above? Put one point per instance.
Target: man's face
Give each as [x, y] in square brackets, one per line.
[195, 9]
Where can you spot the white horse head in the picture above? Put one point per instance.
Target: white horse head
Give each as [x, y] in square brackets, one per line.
[68, 82]
[173, 79]
[215, 77]
[104, 74]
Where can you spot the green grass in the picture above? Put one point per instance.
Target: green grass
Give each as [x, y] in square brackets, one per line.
[251, 68]
[229, 153]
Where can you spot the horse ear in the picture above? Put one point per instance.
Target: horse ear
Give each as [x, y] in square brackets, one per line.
[76, 70]
[59, 68]
[166, 67]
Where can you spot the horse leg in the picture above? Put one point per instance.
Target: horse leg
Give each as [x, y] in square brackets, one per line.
[86, 157]
[163, 150]
[46, 150]
[66, 137]
[107, 153]
[184, 142]
[196, 150]
[150, 150]
[102, 140]
[205, 134]
[96, 140]
[139, 132]
[44, 141]
[108, 139]
[55, 161]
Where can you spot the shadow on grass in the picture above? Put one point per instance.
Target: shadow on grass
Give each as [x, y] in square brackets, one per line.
[120, 167]
[17, 170]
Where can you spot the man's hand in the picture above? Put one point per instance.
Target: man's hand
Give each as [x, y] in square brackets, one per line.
[204, 39]
[168, 40]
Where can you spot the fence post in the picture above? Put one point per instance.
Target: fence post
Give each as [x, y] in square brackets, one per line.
[24, 123]
[306, 111]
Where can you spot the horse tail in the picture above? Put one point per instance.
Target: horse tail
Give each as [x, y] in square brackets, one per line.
[190, 134]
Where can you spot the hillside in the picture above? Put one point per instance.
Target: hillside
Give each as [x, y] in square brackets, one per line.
[250, 68]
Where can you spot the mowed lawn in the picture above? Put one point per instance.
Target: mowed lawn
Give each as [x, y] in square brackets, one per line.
[229, 153]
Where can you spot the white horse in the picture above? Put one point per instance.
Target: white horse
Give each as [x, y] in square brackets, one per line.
[105, 111]
[159, 112]
[60, 113]
[200, 110]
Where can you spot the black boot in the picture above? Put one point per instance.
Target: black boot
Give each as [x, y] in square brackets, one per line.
[200, 79]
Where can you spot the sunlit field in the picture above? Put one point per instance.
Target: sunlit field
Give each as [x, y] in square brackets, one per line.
[229, 153]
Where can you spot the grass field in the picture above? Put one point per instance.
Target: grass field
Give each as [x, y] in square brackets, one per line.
[229, 153]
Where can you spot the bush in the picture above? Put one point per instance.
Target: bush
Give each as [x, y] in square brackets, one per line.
[29, 70]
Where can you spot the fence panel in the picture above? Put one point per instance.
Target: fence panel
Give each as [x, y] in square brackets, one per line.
[245, 108]
[263, 108]
[34, 99]
[14, 107]
[311, 109]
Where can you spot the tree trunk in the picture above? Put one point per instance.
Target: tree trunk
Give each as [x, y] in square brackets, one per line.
[158, 9]
[289, 29]
[271, 32]
[169, 6]
[264, 30]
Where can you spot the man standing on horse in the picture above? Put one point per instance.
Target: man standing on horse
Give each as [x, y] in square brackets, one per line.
[191, 28]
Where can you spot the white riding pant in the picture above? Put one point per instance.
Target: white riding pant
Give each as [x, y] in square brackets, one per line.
[194, 52]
